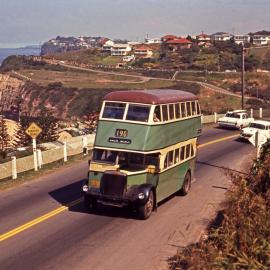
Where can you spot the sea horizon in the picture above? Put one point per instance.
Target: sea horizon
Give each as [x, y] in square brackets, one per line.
[27, 50]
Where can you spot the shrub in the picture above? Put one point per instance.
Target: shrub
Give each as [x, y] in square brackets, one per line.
[242, 241]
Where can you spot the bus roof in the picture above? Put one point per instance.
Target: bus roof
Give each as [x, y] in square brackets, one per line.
[154, 96]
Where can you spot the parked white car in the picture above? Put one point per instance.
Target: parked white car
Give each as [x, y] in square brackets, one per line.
[235, 119]
[259, 125]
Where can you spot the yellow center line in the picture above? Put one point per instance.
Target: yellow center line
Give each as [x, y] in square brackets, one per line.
[73, 203]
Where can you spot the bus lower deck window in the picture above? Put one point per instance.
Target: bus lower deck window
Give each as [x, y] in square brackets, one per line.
[188, 151]
[176, 156]
[157, 114]
[182, 153]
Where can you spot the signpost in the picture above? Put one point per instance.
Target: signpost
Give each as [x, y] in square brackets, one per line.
[33, 131]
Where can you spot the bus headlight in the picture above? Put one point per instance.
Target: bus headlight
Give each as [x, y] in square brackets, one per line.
[141, 196]
[85, 188]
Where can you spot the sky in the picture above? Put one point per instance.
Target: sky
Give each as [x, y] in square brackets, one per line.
[25, 22]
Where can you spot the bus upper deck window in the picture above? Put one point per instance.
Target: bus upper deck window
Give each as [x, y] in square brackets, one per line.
[198, 108]
[114, 110]
[177, 110]
[171, 111]
[138, 113]
[165, 112]
[193, 108]
[183, 110]
[157, 114]
[188, 109]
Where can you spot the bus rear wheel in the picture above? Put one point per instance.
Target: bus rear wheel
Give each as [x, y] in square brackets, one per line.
[145, 211]
[186, 185]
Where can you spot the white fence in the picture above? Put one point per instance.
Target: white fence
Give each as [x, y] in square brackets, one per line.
[73, 146]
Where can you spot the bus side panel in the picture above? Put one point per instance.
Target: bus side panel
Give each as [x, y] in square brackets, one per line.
[172, 180]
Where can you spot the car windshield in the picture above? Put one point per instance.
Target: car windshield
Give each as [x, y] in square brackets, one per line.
[232, 115]
[256, 125]
[138, 113]
[114, 110]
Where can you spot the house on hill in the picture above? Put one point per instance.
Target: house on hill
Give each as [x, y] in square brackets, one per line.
[177, 44]
[241, 39]
[221, 36]
[143, 51]
[261, 40]
[120, 49]
[168, 37]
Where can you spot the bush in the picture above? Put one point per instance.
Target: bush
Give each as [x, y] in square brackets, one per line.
[242, 241]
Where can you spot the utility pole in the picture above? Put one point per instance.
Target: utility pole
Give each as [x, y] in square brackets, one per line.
[243, 76]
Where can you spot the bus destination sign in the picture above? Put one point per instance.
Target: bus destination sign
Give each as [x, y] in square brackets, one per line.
[119, 140]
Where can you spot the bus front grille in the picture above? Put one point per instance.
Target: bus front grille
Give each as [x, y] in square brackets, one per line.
[113, 184]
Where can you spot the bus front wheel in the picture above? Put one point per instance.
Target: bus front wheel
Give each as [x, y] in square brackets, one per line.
[186, 185]
[145, 210]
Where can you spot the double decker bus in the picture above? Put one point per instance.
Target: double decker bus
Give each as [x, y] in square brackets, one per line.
[144, 149]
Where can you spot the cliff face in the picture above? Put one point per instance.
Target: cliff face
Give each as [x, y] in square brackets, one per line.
[10, 90]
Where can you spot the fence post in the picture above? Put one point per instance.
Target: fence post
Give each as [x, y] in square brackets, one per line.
[215, 115]
[261, 113]
[39, 158]
[65, 151]
[251, 113]
[35, 154]
[14, 168]
[84, 145]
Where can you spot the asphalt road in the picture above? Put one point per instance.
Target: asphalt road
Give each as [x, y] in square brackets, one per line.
[69, 238]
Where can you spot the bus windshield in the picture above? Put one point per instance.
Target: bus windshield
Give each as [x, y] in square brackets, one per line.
[138, 113]
[126, 160]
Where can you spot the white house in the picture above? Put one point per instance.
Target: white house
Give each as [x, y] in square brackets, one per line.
[241, 39]
[261, 40]
[107, 45]
[120, 49]
[221, 36]
[152, 40]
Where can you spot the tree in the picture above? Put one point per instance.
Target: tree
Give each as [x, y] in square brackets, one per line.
[5, 139]
[22, 139]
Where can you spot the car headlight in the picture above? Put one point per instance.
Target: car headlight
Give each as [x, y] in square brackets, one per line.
[85, 188]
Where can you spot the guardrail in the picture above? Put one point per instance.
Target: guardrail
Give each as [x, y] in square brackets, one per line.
[62, 151]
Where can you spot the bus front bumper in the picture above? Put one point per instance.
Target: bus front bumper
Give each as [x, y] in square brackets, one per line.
[133, 196]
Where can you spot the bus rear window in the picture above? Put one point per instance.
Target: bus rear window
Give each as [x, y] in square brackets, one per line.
[114, 110]
[138, 113]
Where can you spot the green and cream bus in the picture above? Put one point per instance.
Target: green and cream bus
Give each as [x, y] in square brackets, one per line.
[145, 149]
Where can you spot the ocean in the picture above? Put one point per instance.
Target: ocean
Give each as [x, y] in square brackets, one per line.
[5, 52]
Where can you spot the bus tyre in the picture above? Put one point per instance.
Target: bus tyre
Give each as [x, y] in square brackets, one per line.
[145, 211]
[90, 204]
[186, 185]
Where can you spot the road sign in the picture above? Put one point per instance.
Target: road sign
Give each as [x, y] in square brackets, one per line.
[33, 130]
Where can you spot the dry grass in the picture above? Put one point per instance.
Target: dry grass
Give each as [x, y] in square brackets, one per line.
[241, 240]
